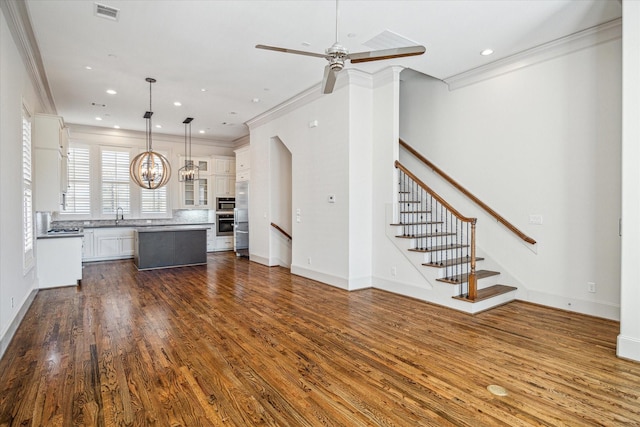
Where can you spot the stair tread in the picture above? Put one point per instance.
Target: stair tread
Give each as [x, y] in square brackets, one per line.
[450, 262]
[438, 248]
[423, 235]
[488, 292]
[462, 278]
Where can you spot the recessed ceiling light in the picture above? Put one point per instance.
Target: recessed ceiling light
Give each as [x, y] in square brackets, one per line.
[306, 44]
[111, 92]
[98, 118]
[486, 52]
[116, 127]
[88, 67]
[177, 103]
[351, 35]
[203, 90]
[255, 100]
[159, 126]
[201, 131]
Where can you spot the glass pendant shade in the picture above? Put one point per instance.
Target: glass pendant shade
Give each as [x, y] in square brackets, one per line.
[149, 169]
[189, 172]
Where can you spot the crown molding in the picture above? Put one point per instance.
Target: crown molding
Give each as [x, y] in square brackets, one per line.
[17, 16]
[593, 36]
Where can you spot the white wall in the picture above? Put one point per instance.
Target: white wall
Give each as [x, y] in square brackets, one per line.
[332, 242]
[629, 338]
[280, 206]
[543, 140]
[172, 145]
[15, 284]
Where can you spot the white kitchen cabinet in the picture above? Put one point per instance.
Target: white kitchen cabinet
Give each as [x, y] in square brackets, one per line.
[109, 243]
[243, 176]
[88, 251]
[224, 243]
[225, 185]
[242, 159]
[50, 140]
[224, 166]
[211, 239]
[59, 261]
[243, 165]
[195, 194]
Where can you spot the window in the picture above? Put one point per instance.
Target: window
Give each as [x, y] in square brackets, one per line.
[115, 181]
[27, 195]
[154, 201]
[78, 192]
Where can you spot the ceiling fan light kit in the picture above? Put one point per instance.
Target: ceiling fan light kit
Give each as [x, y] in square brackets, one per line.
[150, 170]
[337, 54]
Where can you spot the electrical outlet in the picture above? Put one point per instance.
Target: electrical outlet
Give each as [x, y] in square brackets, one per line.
[535, 219]
[12, 304]
[591, 287]
[394, 271]
[309, 260]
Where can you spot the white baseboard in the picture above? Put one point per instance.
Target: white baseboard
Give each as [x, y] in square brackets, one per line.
[628, 348]
[13, 327]
[591, 308]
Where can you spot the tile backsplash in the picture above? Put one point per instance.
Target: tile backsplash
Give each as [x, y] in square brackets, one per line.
[179, 217]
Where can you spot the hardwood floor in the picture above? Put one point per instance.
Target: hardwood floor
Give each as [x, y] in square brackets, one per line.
[239, 344]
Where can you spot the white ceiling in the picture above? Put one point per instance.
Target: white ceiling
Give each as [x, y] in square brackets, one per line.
[191, 45]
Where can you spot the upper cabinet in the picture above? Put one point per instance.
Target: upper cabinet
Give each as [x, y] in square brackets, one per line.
[51, 145]
[224, 166]
[196, 194]
[242, 159]
[243, 166]
[224, 169]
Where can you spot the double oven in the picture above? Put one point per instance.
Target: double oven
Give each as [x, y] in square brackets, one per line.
[224, 215]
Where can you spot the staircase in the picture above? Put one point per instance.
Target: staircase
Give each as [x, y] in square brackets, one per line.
[440, 242]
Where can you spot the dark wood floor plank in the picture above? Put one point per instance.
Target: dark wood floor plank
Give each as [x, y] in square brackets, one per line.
[234, 343]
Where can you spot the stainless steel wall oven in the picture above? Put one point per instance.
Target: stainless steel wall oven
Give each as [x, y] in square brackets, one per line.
[224, 224]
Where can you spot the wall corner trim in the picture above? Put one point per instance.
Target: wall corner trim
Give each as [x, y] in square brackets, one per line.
[20, 27]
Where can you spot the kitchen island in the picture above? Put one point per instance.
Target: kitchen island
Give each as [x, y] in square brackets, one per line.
[163, 247]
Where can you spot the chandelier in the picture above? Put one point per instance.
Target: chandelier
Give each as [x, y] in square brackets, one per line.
[189, 172]
[149, 169]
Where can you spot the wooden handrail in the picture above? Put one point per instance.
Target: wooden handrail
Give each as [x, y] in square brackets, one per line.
[467, 193]
[433, 193]
[277, 227]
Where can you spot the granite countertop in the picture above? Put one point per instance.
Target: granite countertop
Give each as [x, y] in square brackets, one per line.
[155, 229]
[59, 235]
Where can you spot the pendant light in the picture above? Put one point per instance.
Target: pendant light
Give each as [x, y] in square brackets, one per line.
[149, 169]
[189, 172]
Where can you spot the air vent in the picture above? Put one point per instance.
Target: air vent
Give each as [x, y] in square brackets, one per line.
[106, 12]
[388, 40]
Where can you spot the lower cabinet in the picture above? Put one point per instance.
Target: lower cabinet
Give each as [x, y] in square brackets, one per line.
[108, 243]
[211, 239]
[59, 261]
[224, 243]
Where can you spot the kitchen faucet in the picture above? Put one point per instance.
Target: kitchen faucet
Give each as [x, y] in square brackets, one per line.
[121, 218]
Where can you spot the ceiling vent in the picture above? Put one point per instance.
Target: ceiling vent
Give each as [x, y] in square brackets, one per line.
[106, 12]
[388, 40]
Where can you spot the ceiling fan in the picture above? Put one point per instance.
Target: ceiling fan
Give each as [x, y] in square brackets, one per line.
[337, 54]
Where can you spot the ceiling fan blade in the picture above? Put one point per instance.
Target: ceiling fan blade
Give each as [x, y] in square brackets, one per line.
[378, 55]
[329, 79]
[285, 50]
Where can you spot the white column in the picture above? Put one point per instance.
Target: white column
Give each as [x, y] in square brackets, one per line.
[629, 338]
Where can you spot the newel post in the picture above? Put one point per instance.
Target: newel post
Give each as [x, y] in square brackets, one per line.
[473, 281]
